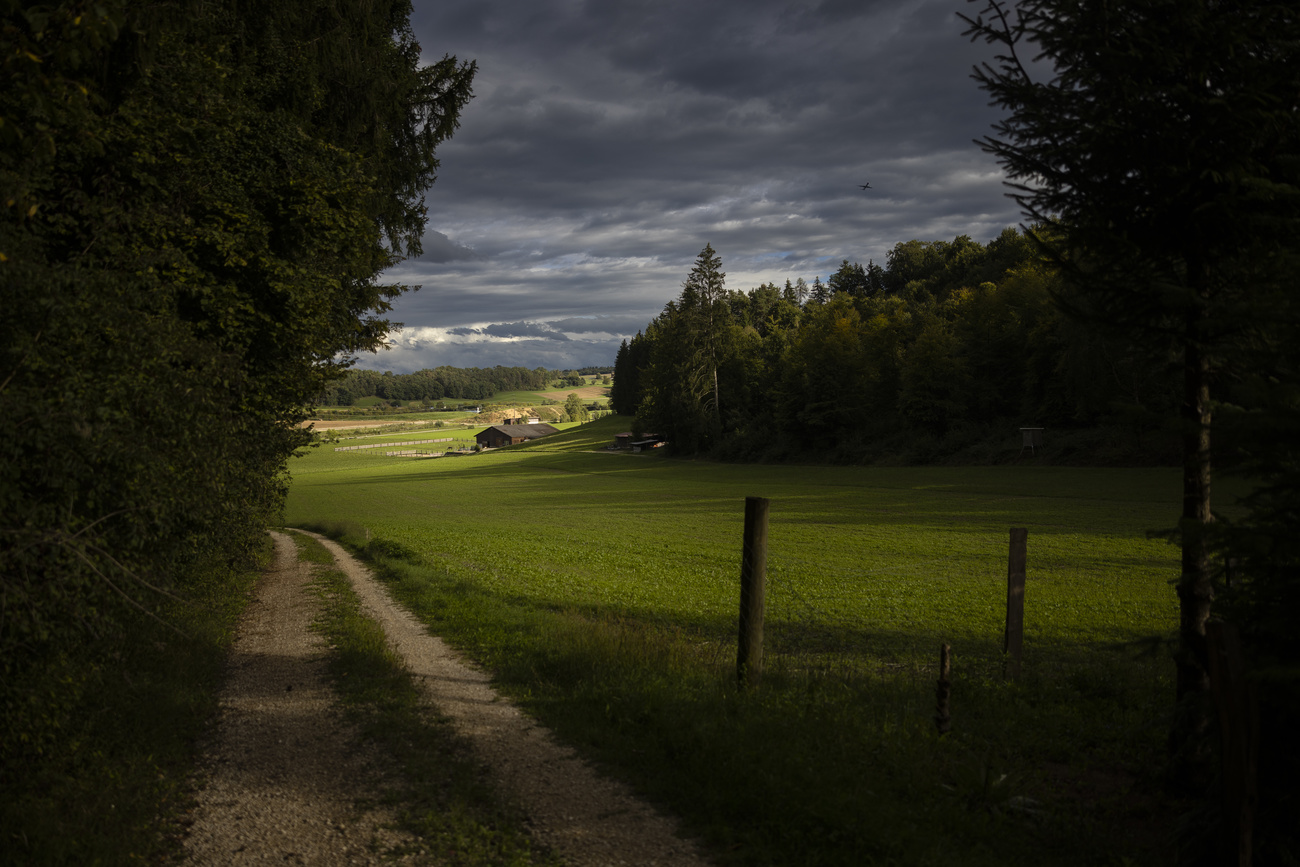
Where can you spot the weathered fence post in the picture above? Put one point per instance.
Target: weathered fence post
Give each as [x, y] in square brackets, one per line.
[942, 714]
[1014, 637]
[753, 579]
[1236, 699]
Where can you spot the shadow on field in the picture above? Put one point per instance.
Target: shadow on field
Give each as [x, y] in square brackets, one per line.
[842, 725]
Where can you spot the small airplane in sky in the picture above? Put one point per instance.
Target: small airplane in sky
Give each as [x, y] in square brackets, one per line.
[865, 186]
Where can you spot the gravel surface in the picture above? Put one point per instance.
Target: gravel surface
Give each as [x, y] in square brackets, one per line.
[285, 772]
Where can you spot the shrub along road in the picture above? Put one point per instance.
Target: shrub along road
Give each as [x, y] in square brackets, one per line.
[285, 773]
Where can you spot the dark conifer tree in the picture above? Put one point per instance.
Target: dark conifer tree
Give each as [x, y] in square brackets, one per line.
[1156, 146]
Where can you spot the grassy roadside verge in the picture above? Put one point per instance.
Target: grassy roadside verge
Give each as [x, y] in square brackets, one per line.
[112, 787]
[443, 797]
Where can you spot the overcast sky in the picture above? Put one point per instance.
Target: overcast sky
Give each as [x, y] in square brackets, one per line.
[608, 141]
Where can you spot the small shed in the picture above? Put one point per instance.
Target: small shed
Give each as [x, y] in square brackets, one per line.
[499, 435]
[623, 440]
[648, 441]
[1031, 438]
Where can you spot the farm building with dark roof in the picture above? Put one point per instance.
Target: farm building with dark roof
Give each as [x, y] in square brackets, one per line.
[508, 434]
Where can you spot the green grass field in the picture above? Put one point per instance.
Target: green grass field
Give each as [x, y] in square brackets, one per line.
[602, 590]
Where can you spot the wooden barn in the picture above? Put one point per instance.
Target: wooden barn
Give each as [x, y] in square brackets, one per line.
[499, 435]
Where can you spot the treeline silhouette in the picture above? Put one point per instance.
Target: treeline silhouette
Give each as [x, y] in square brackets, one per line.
[948, 344]
[439, 383]
[449, 383]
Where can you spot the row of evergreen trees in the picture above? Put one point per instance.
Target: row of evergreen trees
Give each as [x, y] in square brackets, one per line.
[947, 335]
[456, 383]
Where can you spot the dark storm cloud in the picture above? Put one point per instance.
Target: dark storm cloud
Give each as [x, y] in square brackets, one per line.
[599, 324]
[523, 329]
[439, 248]
[609, 140]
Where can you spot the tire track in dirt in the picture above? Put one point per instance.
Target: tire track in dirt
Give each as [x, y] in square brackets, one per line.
[282, 770]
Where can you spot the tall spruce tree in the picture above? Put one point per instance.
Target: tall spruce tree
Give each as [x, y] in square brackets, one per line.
[1154, 145]
[703, 303]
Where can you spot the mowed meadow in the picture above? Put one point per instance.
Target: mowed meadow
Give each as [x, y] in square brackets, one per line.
[601, 589]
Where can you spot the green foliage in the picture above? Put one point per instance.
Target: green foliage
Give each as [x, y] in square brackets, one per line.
[452, 383]
[695, 339]
[194, 209]
[625, 394]
[575, 409]
[120, 715]
[1161, 156]
[951, 336]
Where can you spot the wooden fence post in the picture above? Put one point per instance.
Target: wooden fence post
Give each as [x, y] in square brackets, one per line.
[942, 714]
[753, 580]
[1014, 636]
[1236, 700]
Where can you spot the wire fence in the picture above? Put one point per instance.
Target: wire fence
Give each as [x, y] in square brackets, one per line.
[823, 614]
[391, 445]
[838, 623]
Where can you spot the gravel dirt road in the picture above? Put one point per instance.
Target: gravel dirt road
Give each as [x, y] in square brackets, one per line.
[285, 775]
[283, 771]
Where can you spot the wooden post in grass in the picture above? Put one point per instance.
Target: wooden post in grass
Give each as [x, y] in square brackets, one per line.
[1237, 702]
[942, 714]
[753, 579]
[1014, 637]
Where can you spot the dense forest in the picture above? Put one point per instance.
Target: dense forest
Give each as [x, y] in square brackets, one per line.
[457, 383]
[450, 383]
[196, 201]
[948, 343]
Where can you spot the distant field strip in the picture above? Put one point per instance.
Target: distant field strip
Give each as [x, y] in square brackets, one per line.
[390, 445]
[906, 555]
[586, 391]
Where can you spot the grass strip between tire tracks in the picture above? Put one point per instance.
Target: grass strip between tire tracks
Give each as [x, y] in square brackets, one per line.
[443, 797]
